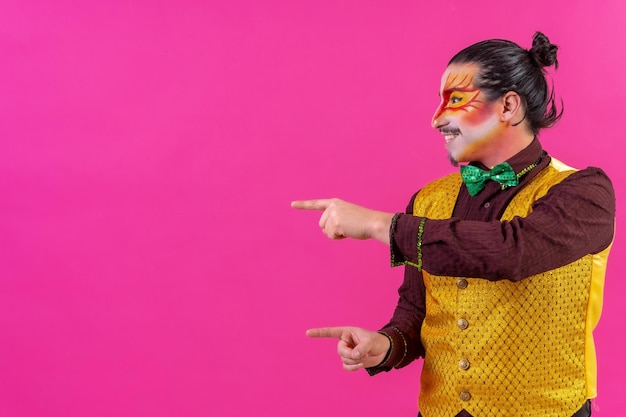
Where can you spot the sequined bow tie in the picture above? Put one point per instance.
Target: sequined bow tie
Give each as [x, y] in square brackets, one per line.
[475, 178]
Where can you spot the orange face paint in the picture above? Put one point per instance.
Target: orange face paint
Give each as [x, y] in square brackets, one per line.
[469, 122]
[460, 95]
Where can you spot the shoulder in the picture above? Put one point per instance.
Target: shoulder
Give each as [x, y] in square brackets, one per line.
[591, 184]
[590, 176]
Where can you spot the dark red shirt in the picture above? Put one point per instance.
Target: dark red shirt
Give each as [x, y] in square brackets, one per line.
[575, 218]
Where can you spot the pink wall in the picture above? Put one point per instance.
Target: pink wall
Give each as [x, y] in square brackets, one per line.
[150, 264]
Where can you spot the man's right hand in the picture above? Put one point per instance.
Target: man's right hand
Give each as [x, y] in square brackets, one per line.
[358, 348]
[341, 219]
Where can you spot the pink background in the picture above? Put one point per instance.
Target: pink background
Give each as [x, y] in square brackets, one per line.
[150, 264]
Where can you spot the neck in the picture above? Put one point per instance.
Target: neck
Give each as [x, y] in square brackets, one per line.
[507, 146]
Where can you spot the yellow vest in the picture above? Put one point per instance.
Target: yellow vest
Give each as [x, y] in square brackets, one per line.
[503, 348]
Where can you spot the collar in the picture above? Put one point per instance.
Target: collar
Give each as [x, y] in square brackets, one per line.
[522, 159]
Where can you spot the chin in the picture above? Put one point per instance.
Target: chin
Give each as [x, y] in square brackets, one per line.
[453, 161]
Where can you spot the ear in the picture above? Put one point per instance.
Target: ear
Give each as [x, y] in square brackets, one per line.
[512, 108]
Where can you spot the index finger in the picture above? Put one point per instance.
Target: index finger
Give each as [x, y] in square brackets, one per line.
[329, 332]
[320, 204]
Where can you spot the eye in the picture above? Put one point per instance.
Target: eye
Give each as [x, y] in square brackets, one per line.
[461, 99]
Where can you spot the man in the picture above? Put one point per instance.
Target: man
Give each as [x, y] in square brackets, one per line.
[504, 262]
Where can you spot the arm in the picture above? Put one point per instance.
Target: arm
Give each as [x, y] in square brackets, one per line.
[575, 218]
[405, 326]
[396, 345]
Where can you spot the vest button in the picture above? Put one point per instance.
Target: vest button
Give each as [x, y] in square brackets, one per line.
[462, 324]
[465, 396]
[464, 364]
[461, 283]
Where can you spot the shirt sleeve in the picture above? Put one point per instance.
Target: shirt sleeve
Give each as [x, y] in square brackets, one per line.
[575, 218]
[404, 328]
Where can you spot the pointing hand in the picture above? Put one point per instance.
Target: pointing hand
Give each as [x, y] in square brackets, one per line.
[358, 348]
[341, 219]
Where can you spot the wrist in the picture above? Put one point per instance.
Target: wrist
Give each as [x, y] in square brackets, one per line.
[385, 359]
[380, 227]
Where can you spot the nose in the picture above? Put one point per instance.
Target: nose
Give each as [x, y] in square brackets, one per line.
[438, 119]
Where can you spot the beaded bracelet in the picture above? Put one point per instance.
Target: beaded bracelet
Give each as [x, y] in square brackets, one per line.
[388, 355]
[406, 347]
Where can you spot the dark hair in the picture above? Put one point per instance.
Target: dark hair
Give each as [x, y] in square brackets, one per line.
[505, 66]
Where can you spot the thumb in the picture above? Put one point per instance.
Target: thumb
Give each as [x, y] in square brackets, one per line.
[364, 347]
[361, 350]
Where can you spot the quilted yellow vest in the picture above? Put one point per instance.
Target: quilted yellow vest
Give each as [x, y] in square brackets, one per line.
[503, 348]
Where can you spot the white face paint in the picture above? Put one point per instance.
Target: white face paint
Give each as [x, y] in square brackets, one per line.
[467, 120]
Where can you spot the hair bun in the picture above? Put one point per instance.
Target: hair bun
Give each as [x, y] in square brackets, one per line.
[543, 51]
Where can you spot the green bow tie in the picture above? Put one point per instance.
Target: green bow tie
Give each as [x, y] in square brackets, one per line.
[475, 178]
